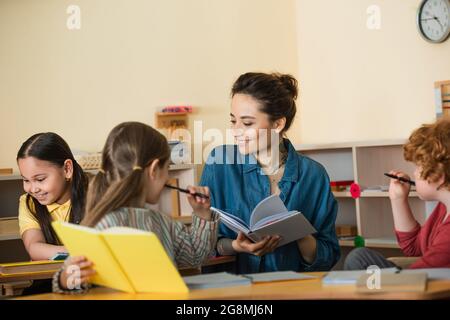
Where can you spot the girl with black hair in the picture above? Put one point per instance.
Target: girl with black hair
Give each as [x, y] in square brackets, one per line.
[55, 187]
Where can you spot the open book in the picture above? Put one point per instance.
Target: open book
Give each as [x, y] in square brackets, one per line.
[270, 217]
[125, 259]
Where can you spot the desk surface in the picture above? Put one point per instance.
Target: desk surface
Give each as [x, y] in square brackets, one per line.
[286, 290]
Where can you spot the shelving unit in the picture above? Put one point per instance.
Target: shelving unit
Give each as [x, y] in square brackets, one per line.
[442, 97]
[365, 163]
[9, 229]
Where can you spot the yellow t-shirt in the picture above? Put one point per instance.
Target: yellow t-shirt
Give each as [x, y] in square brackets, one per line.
[27, 221]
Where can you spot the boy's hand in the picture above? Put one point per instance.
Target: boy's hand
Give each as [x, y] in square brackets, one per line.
[77, 271]
[398, 190]
[200, 206]
[260, 248]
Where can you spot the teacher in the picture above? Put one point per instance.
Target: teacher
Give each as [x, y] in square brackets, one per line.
[240, 176]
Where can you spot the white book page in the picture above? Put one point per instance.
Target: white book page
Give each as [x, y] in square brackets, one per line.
[234, 223]
[267, 207]
[273, 219]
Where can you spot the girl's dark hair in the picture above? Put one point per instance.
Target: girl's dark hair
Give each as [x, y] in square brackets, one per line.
[275, 92]
[52, 148]
[129, 148]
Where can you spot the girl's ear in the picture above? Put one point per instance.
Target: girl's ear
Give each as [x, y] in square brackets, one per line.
[279, 124]
[68, 169]
[153, 169]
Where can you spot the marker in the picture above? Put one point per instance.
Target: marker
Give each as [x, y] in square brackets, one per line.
[201, 195]
[400, 179]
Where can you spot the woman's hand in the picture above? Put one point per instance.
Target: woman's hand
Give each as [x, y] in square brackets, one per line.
[200, 206]
[398, 190]
[77, 271]
[260, 248]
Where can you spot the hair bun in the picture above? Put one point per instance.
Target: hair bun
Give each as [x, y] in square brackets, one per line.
[290, 83]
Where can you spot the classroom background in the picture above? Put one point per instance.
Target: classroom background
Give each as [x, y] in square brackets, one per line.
[130, 58]
[358, 82]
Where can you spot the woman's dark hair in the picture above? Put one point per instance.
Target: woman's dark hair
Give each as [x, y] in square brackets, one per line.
[129, 148]
[275, 92]
[52, 148]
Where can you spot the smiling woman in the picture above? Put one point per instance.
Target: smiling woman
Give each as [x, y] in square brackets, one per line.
[263, 162]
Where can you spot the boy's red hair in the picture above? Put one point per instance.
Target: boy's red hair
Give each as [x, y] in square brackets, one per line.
[429, 147]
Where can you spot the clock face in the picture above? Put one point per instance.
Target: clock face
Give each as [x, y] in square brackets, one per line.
[433, 20]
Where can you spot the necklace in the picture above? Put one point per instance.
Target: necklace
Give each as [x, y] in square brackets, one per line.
[283, 155]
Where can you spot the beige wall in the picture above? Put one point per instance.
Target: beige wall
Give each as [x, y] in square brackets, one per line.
[361, 84]
[131, 57]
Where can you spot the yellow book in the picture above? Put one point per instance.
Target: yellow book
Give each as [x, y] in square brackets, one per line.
[125, 259]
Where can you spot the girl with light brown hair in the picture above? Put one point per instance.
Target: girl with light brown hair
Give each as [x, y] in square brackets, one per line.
[135, 169]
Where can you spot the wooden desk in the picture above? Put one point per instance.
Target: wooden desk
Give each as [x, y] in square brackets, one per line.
[27, 276]
[12, 284]
[286, 290]
[14, 288]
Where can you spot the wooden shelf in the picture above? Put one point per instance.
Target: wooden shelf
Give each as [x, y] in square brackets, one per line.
[346, 243]
[370, 194]
[365, 162]
[10, 177]
[342, 194]
[172, 167]
[347, 145]
[381, 243]
[184, 219]
[171, 114]
[373, 243]
[382, 194]
[9, 229]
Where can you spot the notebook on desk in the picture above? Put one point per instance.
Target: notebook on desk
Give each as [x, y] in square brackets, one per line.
[433, 273]
[278, 276]
[215, 280]
[225, 279]
[348, 277]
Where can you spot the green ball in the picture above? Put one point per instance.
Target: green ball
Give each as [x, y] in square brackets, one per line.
[359, 242]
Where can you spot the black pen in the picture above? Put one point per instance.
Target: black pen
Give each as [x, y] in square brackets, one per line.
[400, 179]
[201, 195]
